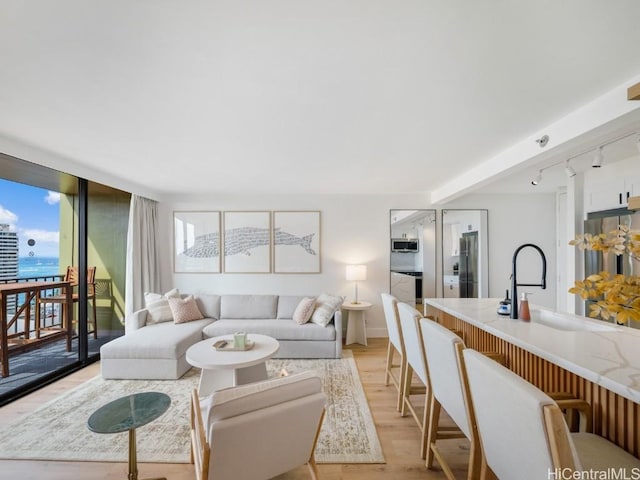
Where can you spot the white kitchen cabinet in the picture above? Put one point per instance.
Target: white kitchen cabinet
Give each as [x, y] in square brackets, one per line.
[611, 186]
[451, 286]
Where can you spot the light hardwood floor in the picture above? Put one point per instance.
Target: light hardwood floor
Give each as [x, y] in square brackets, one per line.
[399, 437]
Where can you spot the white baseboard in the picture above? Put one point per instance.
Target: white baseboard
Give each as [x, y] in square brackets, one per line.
[377, 333]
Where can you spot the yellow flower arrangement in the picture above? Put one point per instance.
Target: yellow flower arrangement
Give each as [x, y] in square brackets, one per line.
[618, 296]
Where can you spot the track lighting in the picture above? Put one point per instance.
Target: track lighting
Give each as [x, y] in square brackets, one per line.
[537, 179]
[598, 157]
[597, 160]
[570, 171]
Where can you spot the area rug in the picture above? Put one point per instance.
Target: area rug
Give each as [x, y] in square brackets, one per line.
[58, 430]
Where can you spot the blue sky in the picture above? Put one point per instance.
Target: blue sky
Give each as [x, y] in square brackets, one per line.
[35, 214]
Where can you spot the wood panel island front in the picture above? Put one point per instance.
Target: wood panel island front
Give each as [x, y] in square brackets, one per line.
[593, 360]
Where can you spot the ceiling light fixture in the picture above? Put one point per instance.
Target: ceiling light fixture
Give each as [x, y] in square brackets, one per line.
[537, 179]
[597, 160]
[569, 169]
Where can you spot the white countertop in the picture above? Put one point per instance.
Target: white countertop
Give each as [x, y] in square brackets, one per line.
[609, 358]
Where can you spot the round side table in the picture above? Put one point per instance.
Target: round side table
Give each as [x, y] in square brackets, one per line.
[127, 414]
[356, 325]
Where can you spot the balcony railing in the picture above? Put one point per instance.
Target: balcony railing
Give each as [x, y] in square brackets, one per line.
[50, 316]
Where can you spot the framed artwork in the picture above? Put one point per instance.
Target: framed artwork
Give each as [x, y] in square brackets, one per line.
[296, 242]
[247, 242]
[196, 242]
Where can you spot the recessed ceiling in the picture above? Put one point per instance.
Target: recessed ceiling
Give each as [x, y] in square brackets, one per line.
[365, 96]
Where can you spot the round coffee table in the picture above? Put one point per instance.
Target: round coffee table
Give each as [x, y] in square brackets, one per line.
[221, 369]
[129, 413]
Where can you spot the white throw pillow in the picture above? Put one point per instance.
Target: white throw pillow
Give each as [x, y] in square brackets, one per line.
[184, 310]
[326, 306]
[303, 311]
[158, 309]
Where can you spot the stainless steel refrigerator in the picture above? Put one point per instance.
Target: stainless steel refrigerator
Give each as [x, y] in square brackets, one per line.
[468, 269]
[605, 222]
[595, 262]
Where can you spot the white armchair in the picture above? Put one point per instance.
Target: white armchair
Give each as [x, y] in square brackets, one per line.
[257, 431]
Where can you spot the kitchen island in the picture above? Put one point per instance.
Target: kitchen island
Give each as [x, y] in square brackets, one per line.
[593, 360]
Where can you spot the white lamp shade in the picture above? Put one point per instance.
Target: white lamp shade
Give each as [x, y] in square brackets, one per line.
[356, 273]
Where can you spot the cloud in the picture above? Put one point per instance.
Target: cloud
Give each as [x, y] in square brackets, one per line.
[8, 217]
[52, 197]
[40, 235]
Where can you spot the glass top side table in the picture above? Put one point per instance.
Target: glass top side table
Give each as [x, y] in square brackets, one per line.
[127, 414]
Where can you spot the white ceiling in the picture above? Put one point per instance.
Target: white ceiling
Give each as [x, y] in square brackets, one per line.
[290, 96]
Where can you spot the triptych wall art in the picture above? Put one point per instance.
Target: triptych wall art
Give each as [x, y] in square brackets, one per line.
[247, 242]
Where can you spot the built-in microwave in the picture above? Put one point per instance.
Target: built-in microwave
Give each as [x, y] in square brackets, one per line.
[404, 245]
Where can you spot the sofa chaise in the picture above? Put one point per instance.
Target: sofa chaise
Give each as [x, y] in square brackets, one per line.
[158, 350]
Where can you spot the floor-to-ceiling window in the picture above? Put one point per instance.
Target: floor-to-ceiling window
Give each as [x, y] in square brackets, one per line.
[107, 220]
[55, 227]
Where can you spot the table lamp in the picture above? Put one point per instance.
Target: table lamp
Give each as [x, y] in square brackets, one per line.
[356, 273]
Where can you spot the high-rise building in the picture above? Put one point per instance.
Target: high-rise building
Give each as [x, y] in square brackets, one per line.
[8, 252]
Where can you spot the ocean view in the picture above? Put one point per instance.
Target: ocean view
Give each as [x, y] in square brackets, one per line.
[38, 266]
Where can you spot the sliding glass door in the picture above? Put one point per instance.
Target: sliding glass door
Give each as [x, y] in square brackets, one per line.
[58, 234]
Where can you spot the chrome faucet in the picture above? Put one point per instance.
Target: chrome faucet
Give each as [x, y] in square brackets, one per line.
[514, 277]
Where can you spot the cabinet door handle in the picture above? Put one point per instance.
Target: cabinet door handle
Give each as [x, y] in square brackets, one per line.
[620, 198]
[627, 196]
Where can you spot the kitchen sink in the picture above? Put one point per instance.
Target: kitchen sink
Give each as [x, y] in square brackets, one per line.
[568, 322]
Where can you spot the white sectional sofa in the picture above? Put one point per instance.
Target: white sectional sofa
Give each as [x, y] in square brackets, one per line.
[158, 351]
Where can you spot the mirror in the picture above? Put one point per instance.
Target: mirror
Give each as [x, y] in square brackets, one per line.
[465, 253]
[413, 255]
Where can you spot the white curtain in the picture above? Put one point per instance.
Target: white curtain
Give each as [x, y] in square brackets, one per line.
[143, 266]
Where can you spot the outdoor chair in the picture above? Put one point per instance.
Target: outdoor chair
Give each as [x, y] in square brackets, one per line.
[72, 277]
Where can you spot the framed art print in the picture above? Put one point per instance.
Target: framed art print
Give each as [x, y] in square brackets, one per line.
[247, 242]
[196, 242]
[296, 242]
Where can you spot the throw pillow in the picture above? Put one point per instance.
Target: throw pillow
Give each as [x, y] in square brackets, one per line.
[184, 310]
[157, 306]
[303, 311]
[326, 306]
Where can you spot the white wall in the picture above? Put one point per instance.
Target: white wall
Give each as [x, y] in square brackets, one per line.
[355, 229]
[514, 220]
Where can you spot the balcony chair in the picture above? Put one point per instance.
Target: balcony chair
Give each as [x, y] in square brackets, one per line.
[395, 347]
[259, 430]
[72, 277]
[523, 432]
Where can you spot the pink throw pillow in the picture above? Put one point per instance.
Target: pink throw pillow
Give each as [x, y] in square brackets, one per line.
[184, 310]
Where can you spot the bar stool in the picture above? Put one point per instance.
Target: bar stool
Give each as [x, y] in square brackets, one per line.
[512, 412]
[448, 386]
[395, 346]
